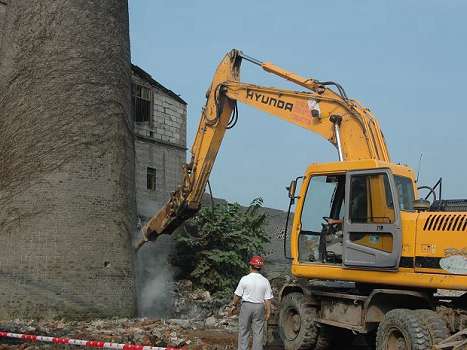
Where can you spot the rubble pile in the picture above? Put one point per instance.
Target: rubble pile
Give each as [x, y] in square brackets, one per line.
[198, 321]
[147, 332]
[198, 307]
[178, 333]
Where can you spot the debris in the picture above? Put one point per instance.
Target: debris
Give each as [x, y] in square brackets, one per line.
[77, 342]
[210, 322]
[185, 324]
[199, 320]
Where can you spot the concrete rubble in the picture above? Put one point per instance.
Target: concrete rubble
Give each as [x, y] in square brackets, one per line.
[174, 332]
[203, 310]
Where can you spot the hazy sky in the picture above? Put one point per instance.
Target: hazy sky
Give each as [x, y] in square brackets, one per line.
[406, 60]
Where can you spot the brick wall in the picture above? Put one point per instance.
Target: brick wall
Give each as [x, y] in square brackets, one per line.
[67, 207]
[168, 161]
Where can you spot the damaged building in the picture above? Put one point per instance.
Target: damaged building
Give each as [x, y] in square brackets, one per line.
[159, 117]
[159, 122]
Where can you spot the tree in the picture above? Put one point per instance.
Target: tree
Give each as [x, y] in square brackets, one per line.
[214, 247]
[66, 160]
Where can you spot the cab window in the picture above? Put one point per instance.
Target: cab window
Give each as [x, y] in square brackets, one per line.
[371, 199]
[405, 193]
[324, 198]
[318, 202]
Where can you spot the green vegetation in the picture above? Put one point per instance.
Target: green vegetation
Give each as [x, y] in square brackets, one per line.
[213, 249]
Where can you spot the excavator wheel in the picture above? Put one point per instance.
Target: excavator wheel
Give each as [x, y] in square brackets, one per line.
[297, 326]
[435, 324]
[403, 329]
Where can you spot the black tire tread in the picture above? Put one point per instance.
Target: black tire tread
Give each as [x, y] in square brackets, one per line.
[435, 324]
[408, 321]
[324, 339]
[308, 316]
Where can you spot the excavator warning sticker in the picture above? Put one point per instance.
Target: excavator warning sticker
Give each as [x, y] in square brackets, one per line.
[314, 107]
[455, 261]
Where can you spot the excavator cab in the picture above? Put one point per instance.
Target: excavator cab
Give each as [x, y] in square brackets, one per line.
[349, 215]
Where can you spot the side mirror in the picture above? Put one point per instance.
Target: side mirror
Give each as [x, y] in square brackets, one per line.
[421, 204]
[292, 187]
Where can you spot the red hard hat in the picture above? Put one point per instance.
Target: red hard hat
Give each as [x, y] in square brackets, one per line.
[257, 261]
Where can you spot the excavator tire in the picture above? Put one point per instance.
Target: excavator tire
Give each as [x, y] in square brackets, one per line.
[435, 324]
[297, 326]
[402, 329]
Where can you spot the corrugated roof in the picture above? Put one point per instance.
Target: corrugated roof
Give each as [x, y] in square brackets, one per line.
[146, 76]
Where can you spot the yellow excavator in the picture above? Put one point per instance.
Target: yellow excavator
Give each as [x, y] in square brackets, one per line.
[368, 255]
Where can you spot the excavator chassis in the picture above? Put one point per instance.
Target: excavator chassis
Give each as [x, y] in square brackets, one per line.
[349, 308]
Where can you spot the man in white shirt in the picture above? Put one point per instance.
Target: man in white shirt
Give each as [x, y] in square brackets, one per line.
[255, 293]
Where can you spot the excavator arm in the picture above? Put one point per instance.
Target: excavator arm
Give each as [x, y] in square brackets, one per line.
[345, 123]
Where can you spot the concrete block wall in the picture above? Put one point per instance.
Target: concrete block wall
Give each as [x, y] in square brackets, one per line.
[169, 119]
[168, 162]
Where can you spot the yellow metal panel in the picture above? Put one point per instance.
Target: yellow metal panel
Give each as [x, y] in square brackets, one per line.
[409, 222]
[441, 242]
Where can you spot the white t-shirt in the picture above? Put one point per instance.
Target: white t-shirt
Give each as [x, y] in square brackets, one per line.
[254, 288]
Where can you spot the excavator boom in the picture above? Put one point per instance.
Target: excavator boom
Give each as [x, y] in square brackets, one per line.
[344, 122]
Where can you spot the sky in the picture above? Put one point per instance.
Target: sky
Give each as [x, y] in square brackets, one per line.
[405, 60]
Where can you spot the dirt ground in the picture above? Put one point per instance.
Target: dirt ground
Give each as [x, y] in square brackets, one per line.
[184, 334]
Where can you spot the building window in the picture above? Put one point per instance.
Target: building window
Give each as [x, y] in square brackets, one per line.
[141, 103]
[151, 179]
